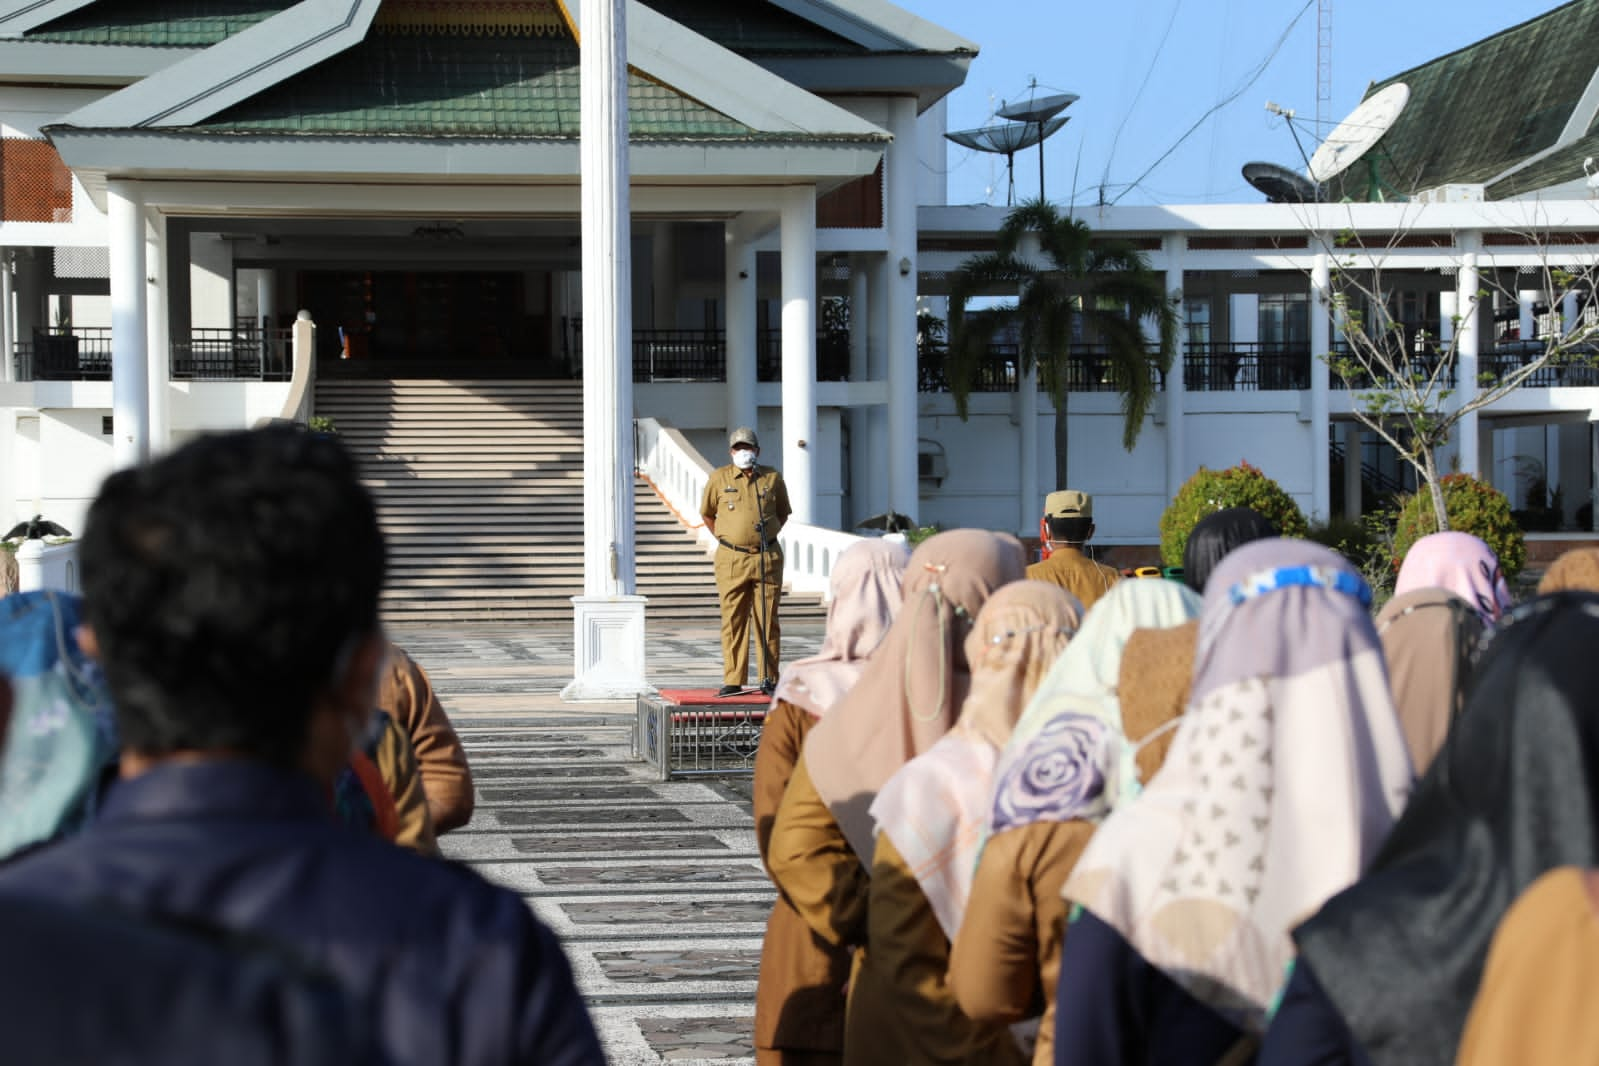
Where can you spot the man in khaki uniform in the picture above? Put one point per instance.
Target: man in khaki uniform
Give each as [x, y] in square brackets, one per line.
[1069, 515]
[745, 505]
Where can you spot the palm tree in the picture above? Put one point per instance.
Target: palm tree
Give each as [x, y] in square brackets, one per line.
[1105, 285]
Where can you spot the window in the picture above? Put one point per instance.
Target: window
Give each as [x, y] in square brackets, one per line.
[1285, 319]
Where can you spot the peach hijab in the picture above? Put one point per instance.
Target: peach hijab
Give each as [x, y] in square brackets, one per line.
[935, 808]
[915, 682]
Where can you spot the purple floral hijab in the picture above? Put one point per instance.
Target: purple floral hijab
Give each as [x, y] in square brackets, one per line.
[1462, 564]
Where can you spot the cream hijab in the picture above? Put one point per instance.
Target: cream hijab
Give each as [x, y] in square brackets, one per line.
[1428, 638]
[1286, 773]
[864, 595]
[936, 806]
[914, 683]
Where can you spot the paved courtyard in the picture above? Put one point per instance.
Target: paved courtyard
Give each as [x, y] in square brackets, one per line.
[654, 888]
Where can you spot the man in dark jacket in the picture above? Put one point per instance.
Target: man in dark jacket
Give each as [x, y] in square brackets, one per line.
[232, 597]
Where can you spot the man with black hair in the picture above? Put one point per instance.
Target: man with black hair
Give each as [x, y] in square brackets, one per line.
[1069, 518]
[231, 590]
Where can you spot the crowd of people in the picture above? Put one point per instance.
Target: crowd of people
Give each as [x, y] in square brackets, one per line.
[1232, 818]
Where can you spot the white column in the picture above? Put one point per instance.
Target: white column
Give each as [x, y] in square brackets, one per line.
[899, 217]
[266, 297]
[1448, 309]
[1176, 383]
[1526, 317]
[130, 376]
[608, 617]
[1352, 479]
[1320, 386]
[739, 317]
[1466, 351]
[798, 236]
[157, 331]
[861, 458]
[8, 320]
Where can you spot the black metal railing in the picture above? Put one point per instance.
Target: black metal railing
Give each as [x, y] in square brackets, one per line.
[1576, 366]
[1088, 369]
[664, 355]
[245, 354]
[1245, 367]
[82, 353]
[678, 355]
[1421, 359]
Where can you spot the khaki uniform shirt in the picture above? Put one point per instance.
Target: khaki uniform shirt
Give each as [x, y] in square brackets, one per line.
[1076, 573]
[729, 505]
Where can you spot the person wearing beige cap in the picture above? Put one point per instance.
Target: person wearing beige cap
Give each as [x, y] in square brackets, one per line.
[1069, 517]
[744, 506]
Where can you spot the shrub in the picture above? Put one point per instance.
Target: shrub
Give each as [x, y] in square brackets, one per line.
[1209, 491]
[1368, 543]
[1473, 507]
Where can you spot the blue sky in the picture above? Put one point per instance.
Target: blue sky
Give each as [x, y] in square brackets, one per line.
[1147, 70]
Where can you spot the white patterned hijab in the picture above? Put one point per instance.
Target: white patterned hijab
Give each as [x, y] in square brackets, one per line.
[1287, 771]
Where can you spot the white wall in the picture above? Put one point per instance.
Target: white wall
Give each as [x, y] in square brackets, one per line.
[76, 458]
[210, 281]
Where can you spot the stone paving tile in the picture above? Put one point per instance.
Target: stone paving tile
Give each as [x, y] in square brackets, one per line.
[592, 816]
[486, 774]
[552, 844]
[681, 1039]
[630, 873]
[697, 911]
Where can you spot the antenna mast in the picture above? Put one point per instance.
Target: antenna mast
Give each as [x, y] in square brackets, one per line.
[1323, 64]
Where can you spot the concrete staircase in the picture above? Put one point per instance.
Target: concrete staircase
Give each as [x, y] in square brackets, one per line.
[479, 487]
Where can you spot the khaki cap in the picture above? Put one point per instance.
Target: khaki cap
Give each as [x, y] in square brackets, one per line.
[743, 435]
[1068, 503]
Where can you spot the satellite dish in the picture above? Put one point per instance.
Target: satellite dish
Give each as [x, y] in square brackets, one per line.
[1013, 137]
[1281, 185]
[1039, 110]
[1356, 134]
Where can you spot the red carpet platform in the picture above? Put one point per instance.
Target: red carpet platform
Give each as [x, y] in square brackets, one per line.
[683, 732]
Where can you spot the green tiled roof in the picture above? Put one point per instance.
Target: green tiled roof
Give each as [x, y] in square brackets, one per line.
[755, 28]
[479, 86]
[1476, 112]
[157, 23]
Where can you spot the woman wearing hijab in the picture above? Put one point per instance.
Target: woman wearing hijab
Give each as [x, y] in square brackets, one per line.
[1285, 773]
[1461, 563]
[931, 816]
[1044, 806]
[1576, 569]
[1535, 1005]
[820, 851]
[1387, 970]
[799, 1002]
[1428, 637]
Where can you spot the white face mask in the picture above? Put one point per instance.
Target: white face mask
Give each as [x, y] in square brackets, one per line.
[744, 458]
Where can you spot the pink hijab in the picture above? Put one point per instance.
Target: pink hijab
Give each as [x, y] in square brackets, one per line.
[1462, 564]
[864, 595]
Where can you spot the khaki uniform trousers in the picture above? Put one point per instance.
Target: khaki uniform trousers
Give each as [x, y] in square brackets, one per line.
[738, 580]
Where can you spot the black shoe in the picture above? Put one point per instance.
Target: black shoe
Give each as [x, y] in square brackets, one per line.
[768, 686]
[728, 690]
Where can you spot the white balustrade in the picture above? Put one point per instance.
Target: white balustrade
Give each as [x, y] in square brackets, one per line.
[47, 566]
